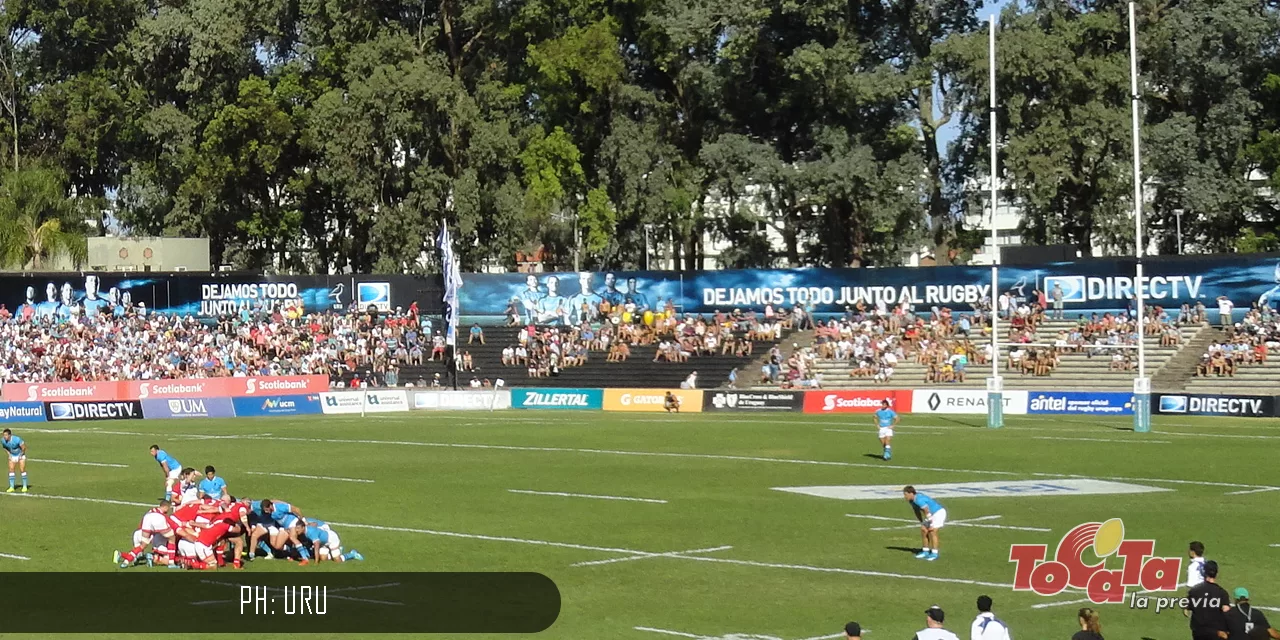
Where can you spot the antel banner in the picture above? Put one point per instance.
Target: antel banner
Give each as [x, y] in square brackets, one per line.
[462, 400]
[964, 401]
[1215, 405]
[21, 412]
[651, 400]
[1080, 402]
[368, 401]
[62, 391]
[557, 398]
[862, 401]
[189, 408]
[105, 410]
[752, 400]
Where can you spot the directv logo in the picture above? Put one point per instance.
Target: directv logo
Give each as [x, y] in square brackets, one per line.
[1173, 404]
[61, 411]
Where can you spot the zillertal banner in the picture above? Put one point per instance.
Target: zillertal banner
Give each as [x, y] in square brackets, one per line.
[651, 400]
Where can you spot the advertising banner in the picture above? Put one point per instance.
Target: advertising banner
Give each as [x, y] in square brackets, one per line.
[55, 391]
[22, 412]
[1086, 286]
[289, 385]
[1215, 405]
[187, 388]
[374, 401]
[557, 398]
[276, 405]
[860, 401]
[964, 401]
[106, 410]
[462, 400]
[60, 295]
[651, 400]
[188, 408]
[1078, 402]
[752, 400]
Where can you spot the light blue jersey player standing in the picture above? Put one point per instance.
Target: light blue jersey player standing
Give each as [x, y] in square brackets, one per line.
[886, 419]
[213, 486]
[16, 450]
[932, 516]
[169, 465]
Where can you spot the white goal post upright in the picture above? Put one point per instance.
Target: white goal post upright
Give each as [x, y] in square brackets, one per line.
[995, 384]
[1141, 384]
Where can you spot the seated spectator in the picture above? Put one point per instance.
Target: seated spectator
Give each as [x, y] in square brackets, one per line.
[477, 334]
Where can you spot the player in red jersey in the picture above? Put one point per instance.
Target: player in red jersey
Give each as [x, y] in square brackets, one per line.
[208, 539]
[155, 531]
[237, 513]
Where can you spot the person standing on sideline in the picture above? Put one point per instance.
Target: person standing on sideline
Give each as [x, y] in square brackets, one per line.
[853, 631]
[1247, 623]
[1195, 567]
[932, 517]
[933, 617]
[987, 626]
[1209, 604]
[1090, 626]
[886, 420]
[15, 450]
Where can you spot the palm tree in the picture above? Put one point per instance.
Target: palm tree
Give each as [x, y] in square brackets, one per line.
[35, 220]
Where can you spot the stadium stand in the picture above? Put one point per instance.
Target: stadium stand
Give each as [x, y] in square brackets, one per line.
[1239, 360]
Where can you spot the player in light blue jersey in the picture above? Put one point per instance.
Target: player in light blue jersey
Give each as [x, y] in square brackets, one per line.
[932, 516]
[213, 486]
[325, 543]
[285, 532]
[15, 449]
[886, 420]
[169, 465]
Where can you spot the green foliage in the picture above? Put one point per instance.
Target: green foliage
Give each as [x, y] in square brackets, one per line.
[36, 220]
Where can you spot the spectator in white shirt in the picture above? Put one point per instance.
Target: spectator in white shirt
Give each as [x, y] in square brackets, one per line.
[933, 629]
[1195, 568]
[987, 626]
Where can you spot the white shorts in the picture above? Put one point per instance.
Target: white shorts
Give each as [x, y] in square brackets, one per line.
[187, 548]
[886, 432]
[16, 458]
[937, 520]
[173, 475]
[335, 544]
[141, 539]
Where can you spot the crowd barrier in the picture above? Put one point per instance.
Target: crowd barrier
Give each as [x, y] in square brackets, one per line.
[270, 396]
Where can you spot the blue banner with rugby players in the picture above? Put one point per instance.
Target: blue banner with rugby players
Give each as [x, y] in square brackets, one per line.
[255, 406]
[1080, 402]
[557, 399]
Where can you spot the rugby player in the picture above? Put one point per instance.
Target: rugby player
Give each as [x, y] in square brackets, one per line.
[213, 486]
[326, 545]
[155, 531]
[886, 419]
[932, 516]
[169, 465]
[16, 450]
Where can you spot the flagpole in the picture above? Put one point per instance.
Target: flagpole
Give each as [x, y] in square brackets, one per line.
[1141, 384]
[995, 384]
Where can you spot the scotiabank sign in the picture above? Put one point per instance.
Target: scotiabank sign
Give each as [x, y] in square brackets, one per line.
[856, 401]
[62, 391]
[163, 389]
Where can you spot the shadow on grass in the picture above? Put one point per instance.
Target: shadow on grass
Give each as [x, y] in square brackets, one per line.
[910, 550]
[874, 456]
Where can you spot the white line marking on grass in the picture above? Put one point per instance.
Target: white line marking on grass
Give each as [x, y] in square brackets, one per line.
[585, 495]
[1240, 493]
[733, 636]
[14, 557]
[977, 522]
[672, 633]
[886, 519]
[199, 437]
[1047, 605]
[474, 536]
[670, 554]
[294, 475]
[1102, 440]
[855, 572]
[78, 499]
[83, 464]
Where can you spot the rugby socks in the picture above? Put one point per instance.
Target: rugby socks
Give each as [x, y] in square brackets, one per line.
[11, 476]
[24, 480]
[350, 555]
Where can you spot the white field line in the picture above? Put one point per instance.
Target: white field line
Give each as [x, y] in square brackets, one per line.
[1047, 605]
[711, 456]
[668, 632]
[884, 518]
[1102, 440]
[969, 522]
[584, 547]
[83, 464]
[294, 475]
[13, 557]
[872, 429]
[195, 437]
[670, 554]
[1240, 493]
[585, 495]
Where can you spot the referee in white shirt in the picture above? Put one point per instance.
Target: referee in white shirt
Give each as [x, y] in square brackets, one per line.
[987, 626]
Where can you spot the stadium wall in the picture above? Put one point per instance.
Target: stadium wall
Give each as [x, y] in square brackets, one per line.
[1088, 286]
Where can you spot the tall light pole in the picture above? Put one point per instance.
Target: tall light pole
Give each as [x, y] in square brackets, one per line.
[1177, 214]
[646, 246]
[1141, 384]
[995, 384]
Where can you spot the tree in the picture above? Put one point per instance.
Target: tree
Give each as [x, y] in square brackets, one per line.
[35, 224]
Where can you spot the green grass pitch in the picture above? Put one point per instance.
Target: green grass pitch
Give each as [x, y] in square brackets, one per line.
[797, 566]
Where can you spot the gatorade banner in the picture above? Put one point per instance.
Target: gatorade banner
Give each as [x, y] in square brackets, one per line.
[651, 400]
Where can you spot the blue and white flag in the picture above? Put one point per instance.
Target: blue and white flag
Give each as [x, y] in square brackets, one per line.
[452, 282]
